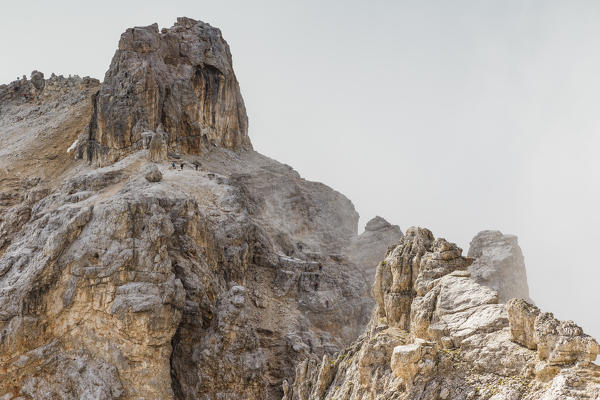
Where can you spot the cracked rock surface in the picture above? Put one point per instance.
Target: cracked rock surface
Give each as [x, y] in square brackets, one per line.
[438, 334]
[122, 277]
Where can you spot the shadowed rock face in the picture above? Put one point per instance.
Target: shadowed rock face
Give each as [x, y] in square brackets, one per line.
[180, 79]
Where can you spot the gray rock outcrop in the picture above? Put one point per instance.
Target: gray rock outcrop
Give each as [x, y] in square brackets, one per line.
[231, 278]
[499, 264]
[153, 174]
[209, 282]
[438, 334]
[181, 78]
[371, 245]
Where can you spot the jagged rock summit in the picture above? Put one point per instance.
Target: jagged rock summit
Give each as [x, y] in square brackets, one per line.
[179, 80]
[438, 334]
[499, 264]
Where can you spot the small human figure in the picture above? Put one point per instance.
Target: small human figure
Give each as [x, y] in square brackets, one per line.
[320, 267]
[196, 167]
[173, 165]
[182, 166]
[316, 285]
[310, 345]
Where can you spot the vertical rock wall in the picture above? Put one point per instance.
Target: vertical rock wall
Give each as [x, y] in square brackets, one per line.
[499, 264]
[181, 80]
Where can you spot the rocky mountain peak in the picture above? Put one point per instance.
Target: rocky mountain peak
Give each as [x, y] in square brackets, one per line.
[178, 80]
[368, 248]
[228, 276]
[437, 334]
[376, 224]
[499, 264]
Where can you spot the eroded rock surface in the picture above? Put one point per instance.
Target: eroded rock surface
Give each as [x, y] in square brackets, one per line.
[557, 342]
[214, 280]
[137, 280]
[499, 264]
[438, 334]
[180, 79]
[371, 246]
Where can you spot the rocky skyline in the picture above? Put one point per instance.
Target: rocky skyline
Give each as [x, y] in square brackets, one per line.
[147, 251]
[501, 94]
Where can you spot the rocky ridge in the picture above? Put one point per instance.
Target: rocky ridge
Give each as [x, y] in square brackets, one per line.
[122, 277]
[438, 334]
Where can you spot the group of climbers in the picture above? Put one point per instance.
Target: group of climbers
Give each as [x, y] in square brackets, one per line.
[173, 166]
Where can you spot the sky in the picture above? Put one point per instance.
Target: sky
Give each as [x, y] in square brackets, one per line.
[456, 116]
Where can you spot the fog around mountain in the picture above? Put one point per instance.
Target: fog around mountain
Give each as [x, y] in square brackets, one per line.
[458, 116]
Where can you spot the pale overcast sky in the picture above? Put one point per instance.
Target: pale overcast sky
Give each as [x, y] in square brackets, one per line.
[454, 115]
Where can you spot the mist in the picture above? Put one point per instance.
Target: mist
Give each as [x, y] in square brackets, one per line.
[456, 116]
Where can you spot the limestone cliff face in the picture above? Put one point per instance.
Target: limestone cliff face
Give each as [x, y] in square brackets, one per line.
[181, 80]
[136, 280]
[499, 264]
[122, 277]
[438, 334]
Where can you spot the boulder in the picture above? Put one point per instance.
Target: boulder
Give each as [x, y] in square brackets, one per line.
[410, 359]
[153, 174]
[37, 80]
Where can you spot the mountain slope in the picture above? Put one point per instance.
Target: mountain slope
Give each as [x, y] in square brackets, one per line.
[122, 277]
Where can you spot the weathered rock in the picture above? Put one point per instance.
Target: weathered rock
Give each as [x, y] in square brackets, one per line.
[37, 80]
[557, 342]
[153, 174]
[498, 264]
[215, 282]
[410, 270]
[371, 246]
[411, 359]
[170, 289]
[181, 78]
[521, 316]
[158, 147]
[459, 346]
